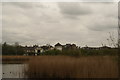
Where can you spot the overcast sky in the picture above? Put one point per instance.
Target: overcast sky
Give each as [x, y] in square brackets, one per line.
[48, 23]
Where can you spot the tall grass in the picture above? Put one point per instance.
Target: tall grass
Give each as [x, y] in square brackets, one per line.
[72, 67]
[15, 59]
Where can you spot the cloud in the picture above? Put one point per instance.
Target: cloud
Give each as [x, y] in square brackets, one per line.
[73, 9]
[102, 23]
[27, 5]
[48, 23]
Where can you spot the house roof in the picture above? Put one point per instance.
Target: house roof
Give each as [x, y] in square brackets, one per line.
[58, 44]
[44, 47]
[28, 48]
[105, 47]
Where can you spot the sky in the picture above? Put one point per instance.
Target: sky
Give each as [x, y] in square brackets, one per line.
[81, 23]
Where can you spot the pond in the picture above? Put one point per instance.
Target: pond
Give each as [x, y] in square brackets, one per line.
[13, 70]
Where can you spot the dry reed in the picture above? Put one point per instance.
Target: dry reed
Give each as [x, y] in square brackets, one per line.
[15, 59]
[72, 67]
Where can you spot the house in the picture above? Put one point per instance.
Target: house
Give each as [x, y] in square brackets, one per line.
[35, 49]
[47, 47]
[38, 50]
[105, 47]
[32, 50]
[73, 46]
[29, 50]
[58, 46]
[70, 46]
[91, 48]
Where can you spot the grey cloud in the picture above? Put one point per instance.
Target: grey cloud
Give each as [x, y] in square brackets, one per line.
[102, 27]
[119, 16]
[104, 24]
[12, 37]
[32, 23]
[18, 4]
[27, 5]
[73, 9]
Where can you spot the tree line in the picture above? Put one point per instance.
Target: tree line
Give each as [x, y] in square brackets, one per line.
[17, 49]
[8, 49]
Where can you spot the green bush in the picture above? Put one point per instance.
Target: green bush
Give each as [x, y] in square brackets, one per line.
[51, 52]
[12, 50]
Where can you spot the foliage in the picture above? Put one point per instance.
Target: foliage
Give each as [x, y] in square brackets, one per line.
[99, 52]
[71, 52]
[12, 50]
[51, 52]
[81, 52]
[18, 50]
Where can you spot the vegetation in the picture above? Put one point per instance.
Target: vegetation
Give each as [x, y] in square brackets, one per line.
[15, 59]
[51, 52]
[100, 52]
[82, 52]
[18, 50]
[12, 49]
[72, 67]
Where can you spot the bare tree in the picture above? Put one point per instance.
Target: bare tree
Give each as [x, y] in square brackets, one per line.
[112, 40]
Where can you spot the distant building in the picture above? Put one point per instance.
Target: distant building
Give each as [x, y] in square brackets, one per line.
[91, 48]
[105, 47]
[70, 46]
[39, 50]
[97, 48]
[73, 46]
[58, 46]
[47, 47]
[36, 50]
[29, 50]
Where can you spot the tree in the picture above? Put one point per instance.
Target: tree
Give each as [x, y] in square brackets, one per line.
[16, 44]
[112, 41]
[12, 49]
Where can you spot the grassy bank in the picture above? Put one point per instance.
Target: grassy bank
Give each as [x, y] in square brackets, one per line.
[72, 67]
[15, 59]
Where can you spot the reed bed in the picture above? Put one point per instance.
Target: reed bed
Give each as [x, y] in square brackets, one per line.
[15, 59]
[72, 67]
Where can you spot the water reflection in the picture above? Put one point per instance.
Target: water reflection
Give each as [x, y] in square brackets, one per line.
[13, 70]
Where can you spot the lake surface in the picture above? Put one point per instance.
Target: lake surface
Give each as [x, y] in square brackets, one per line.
[13, 70]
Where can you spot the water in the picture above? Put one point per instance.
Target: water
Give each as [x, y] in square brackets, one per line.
[13, 70]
